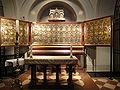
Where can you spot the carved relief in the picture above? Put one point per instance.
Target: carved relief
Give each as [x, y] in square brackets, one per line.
[23, 33]
[8, 32]
[98, 31]
[56, 34]
[56, 14]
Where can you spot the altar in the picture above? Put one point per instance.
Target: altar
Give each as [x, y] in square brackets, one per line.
[50, 60]
[52, 43]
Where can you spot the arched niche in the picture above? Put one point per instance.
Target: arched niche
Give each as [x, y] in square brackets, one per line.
[70, 14]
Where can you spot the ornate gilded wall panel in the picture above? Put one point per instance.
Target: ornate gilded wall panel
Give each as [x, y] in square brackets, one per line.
[105, 31]
[89, 32]
[98, 31]
[8, 32]
[23, 33]
[56, 33]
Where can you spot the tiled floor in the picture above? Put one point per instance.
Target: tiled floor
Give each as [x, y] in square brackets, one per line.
[81, 79]
[106, 84]
[26, 77]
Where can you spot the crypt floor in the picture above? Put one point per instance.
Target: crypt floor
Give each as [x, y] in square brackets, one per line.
[81, 80]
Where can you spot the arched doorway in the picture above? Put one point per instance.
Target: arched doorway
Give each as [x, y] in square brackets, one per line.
[116, 40]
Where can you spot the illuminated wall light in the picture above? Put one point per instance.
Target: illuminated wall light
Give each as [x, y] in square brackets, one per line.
[33, 22]
[80, 12]
[33, 12]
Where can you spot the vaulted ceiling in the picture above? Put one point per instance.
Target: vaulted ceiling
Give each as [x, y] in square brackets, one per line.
[75, 10]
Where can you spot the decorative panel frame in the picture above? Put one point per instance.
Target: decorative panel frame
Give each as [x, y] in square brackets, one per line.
[8, 32]
[57, 33]
[23, 33]
[92, 32]
[98, 31]
[12, 30]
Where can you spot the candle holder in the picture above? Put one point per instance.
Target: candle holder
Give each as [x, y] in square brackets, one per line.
[17, 81]
[71, 55]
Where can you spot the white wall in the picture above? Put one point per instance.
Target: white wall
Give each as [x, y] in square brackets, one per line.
[103, 59]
